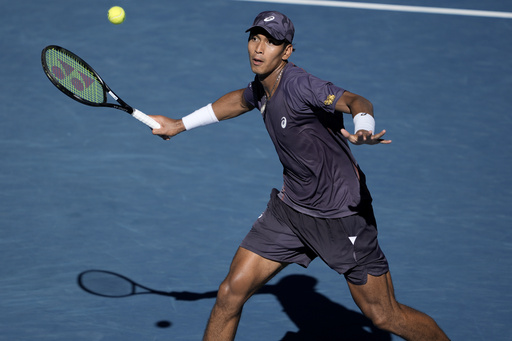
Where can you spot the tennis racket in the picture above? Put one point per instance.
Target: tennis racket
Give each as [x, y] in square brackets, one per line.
[77, 79]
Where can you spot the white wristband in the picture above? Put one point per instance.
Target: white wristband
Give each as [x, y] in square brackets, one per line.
[364, 121]
[200, 117]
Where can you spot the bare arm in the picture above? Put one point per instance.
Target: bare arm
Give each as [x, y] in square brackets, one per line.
[351, 103]
[228, 106]
[231, 105]
[354, 104]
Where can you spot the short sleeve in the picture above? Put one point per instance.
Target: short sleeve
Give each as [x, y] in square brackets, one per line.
[253, 94]
[308, 92]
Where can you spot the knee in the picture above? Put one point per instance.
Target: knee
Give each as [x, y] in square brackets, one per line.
[383, 319]
[232, 294]
[225, 291]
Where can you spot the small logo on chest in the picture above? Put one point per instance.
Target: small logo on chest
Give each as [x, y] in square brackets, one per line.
[283, 122]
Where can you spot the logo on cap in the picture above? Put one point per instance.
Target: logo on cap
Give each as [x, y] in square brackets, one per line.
[276, 24]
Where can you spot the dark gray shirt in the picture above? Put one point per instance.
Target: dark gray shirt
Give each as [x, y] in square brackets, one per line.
[320, 173]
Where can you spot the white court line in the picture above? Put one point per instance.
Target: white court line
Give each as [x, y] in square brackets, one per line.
[397, 8]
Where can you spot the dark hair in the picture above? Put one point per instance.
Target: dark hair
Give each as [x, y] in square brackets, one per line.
[286, 43]
[259, 30]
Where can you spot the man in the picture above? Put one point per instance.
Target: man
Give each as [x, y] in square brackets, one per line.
[324, 208]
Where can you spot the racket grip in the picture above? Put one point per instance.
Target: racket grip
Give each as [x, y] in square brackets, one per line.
[145, 119]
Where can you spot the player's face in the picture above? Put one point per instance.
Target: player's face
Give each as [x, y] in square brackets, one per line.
[266, 54]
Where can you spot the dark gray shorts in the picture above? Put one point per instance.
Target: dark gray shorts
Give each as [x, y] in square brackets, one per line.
[348, 245]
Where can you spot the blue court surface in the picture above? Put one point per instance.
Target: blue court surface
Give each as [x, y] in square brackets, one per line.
[85, 188]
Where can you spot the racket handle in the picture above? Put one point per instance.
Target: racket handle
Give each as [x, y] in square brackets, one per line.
[145, 119]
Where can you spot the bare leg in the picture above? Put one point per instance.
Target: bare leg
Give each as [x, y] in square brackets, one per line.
[376, 299]
[248, 273]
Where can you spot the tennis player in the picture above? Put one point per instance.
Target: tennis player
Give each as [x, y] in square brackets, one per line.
[324, 208]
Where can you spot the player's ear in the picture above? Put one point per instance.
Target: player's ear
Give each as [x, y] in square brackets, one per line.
[287, 51]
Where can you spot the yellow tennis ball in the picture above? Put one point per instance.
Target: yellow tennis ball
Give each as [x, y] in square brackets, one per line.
[116, 15]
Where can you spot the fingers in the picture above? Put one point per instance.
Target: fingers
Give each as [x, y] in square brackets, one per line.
[164, 132]
[345, 133]
[365, 137]
[160, 132]
[378, 137]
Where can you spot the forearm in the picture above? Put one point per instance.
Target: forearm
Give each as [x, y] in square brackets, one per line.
[361, 110]
[361, 105]
[228, 106]
[354, 104]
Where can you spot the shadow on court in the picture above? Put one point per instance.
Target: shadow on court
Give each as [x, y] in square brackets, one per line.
[316, 316]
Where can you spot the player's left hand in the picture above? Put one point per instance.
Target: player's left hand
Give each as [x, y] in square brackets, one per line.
[365, 137]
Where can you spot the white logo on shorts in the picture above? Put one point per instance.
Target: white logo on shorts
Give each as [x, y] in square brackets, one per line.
[269, 18]
[283, 122]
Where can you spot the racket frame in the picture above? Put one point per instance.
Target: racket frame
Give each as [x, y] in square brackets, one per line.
[106, 89]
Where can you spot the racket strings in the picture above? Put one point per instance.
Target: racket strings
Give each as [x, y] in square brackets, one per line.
[74, 76]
